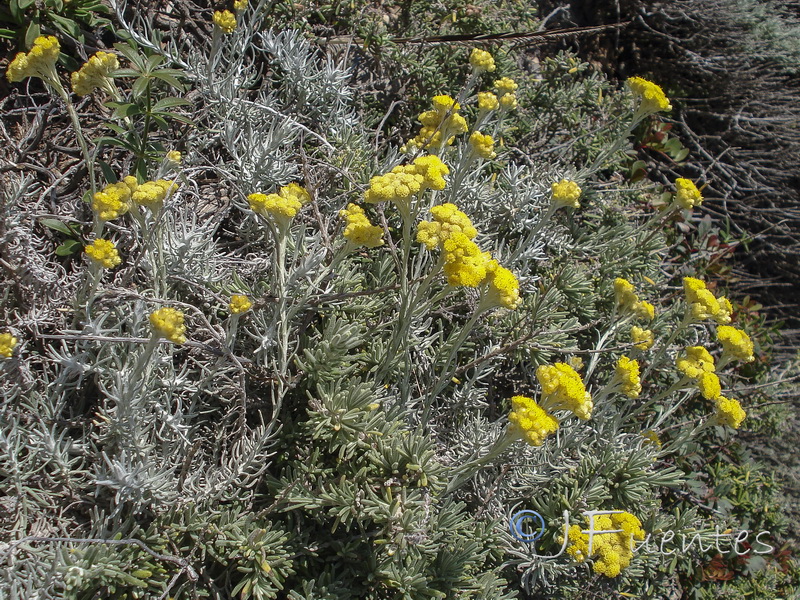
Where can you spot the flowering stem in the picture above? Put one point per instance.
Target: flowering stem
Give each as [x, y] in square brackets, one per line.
[467, 470]
[76, 125]
[447, 374]
[687, 319]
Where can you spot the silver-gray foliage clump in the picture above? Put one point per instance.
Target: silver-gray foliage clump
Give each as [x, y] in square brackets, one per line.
[347, 436]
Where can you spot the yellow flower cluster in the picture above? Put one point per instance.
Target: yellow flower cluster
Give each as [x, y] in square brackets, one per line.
[103, 252]
[627, 299]
[464, 264]
[735, 343]
[94, 73]
[404, 181]
[505, 87]
[652, 96]
[440, 125]
[482, 144]
[359, 230]
[151, 193]
[627, 373]
[566, 193]
[282, 206]
[503, 286]
[530, 421]
[652, 437]
[709, 386]
[563, 389]
[613, 550]
[40, 61]
[174, 156]
[695, 362]
[729, 412]
[488, 101]
[703, 304]
[114, 200]
[642, 338]
[239, 304]
[239, 5]
[481, 60]
[447, 220]
[7, 344]
[168, 322]
[225, 20]
[687, 195]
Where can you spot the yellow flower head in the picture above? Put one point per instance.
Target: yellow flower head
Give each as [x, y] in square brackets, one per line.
[735, 343]
[481, 60]
[709, 386]
[508, 101]
[566, 193]
[394, 187]
[563, 389]
[695, 362]
[359, 231]
[702, 303]
[687, 195]
[174, 156]
[447, 220]
[652, 437]
[530, 421]
[503, 286]
[225, 20]
[239, 304]
[297, 192]
[505, 85]
[483, 145]
[644, 310]
[612, 551]
[40, 61]
[168, 322]
[103, 252]
[488, 101]
[627, 372]
[625, 293]
[652, 96]
[94, 74]
[239, 5]
[444, 103]
[729, 412]
[151, 193]
[642, 338]
[7, 344]
[432, 170]
[465, 264]
[112, 201]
